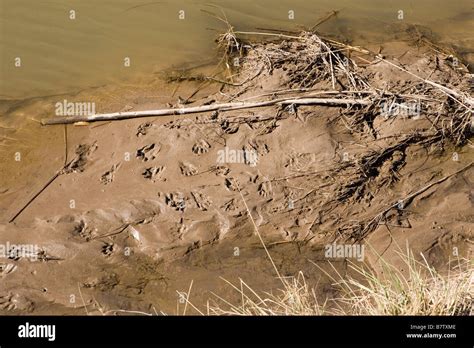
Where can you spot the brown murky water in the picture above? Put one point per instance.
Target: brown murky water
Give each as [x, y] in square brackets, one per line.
[59, 54]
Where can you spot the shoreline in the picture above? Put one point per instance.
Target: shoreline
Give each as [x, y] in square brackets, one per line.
[152, 187]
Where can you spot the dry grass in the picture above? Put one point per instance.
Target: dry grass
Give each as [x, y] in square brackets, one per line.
[227, 42]
[296, 298]
[421, 290]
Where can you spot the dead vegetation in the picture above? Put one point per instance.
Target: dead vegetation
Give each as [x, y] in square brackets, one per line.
[441, 111]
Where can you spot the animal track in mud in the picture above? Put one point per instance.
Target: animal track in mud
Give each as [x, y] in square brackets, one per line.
[254, 178]
[201, 147]
[229, 128]
[220, 170]
[175, 124]
[203, 201]
[107, 249]
[188, 169]
[83, 151]
[301, 161]
[108, 177]
[105, 283]
[11, 302]
[176, 200]
[389, 170]
[230, 205]
[231, 184]
[260, 147]
[153, 173]
[265, 189]
[84, 231]
[143, 128]
[7, 268]
[148, 152]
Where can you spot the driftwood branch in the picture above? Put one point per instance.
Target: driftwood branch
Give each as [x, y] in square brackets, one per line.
[205, 108]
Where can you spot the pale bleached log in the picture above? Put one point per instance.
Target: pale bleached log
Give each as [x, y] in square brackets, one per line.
[203, 108]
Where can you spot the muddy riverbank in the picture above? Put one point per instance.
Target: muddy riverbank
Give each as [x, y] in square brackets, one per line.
[142, 208]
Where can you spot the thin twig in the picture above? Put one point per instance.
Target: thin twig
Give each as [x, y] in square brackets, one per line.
[260, 236]
[84, 302]
[50, 181]
[324, 19]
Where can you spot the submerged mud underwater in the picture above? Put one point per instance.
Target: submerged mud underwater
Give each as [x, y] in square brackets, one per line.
[319, 159]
